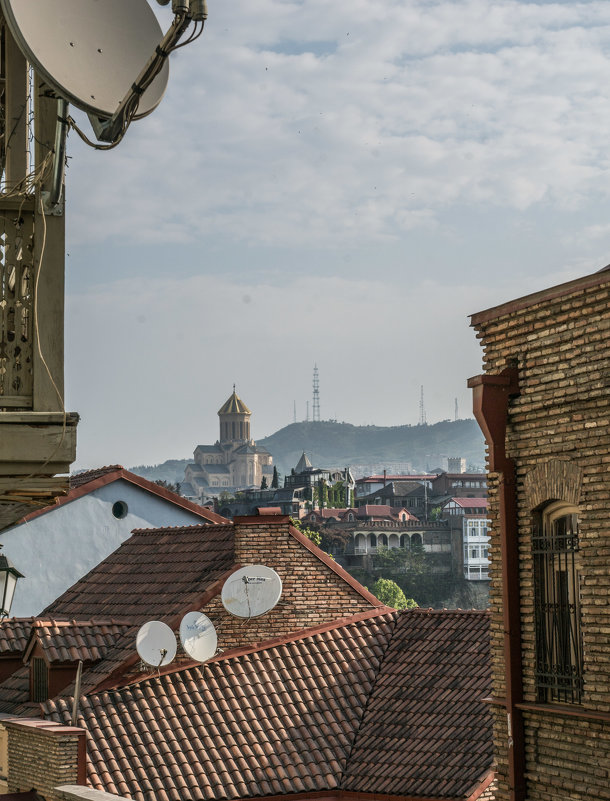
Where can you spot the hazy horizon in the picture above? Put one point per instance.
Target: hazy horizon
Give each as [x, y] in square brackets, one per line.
[333, 184]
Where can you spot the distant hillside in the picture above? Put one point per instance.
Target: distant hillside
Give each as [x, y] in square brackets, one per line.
[342, 444]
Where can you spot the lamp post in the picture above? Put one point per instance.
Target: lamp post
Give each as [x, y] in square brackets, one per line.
[8, 581]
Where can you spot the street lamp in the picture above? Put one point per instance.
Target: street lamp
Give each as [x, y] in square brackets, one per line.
[8, 581]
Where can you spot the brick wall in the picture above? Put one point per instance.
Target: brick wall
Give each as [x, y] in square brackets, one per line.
[312, 593]
[559, 437]
[43, 755]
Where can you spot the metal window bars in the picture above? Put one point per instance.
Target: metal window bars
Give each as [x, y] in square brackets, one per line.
[559, 662]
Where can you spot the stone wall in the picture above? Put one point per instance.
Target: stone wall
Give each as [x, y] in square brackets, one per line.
[559, 438]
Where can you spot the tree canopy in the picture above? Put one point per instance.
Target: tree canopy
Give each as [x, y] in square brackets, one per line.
[390, 594]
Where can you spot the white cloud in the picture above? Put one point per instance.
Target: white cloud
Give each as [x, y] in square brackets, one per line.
[412, 109]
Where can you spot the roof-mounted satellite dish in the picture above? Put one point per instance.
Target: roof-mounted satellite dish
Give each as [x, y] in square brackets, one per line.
[251, 591]
[198, 636]
[89, 52]
[156, 643]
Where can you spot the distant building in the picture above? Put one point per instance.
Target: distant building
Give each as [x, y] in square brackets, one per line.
[366, 485]
[456, 464]
[234, 462]
[476, 543]
[307, 479]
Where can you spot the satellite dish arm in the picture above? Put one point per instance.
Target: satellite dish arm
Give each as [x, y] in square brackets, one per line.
[113, 129]
[53, 200]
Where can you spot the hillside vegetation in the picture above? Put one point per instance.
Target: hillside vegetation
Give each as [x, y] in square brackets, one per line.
[341, 444]
[331, 444]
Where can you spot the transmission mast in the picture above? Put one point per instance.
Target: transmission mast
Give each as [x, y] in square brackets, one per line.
[422, 409]
[316, 396]
[457, 414]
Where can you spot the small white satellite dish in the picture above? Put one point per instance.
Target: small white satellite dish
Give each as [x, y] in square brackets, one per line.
[251, 591]
[198, 636]
[156, 643]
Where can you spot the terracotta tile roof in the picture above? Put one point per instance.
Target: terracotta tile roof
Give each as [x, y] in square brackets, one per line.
[84, 483]
[469, 503]
[78, 479]
[15, 633]
[71, 640]
[426, 731]
[15, 691]
[374, 510]
[155, 573]
[386, 703]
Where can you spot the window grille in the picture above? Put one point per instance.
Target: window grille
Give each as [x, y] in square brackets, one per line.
[559, 663]
[40, 680]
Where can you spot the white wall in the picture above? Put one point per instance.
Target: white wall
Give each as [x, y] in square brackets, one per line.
[55, 549]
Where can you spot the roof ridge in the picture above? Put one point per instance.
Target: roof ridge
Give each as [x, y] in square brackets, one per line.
[263, 645]
[204, 526]
[458, 611]
[114, 473]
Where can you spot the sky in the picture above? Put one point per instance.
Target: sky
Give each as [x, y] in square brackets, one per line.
[336, 184]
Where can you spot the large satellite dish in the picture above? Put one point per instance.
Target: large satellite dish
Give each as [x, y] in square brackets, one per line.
[198, 636]
[251, 591]
[89, 51]
[156, 643]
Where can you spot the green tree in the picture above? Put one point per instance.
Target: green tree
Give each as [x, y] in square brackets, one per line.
[264, 483]
[390, 594]
[275, 481]
[169, 485]
[313, 535]
[411, 561]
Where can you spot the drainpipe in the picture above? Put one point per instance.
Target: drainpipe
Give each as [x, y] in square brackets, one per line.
[491, 394]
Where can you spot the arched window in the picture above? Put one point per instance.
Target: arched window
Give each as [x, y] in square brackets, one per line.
[373, 540]
[404, 539]
[559, 661]
[350, 517]
[416, 539]
[383, 539]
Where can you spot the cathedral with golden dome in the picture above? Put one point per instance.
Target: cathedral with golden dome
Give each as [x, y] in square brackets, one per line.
[234, 462]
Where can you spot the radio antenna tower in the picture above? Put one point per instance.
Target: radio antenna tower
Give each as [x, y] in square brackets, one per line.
[422, 410]
[294, 416]
[316, 396]
[457, 414]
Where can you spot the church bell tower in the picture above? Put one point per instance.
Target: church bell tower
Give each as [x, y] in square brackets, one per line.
[234, 421]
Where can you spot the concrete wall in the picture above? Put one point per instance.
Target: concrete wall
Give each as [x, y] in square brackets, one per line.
[55, 549]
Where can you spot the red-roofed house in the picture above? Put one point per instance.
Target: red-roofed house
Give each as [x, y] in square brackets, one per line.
[55, 545]
[330, 693]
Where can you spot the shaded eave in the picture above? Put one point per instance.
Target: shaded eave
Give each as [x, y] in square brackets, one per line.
[586, 282]
[132, 478]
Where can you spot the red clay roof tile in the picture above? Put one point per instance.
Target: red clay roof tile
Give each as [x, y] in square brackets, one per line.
[386, 704]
